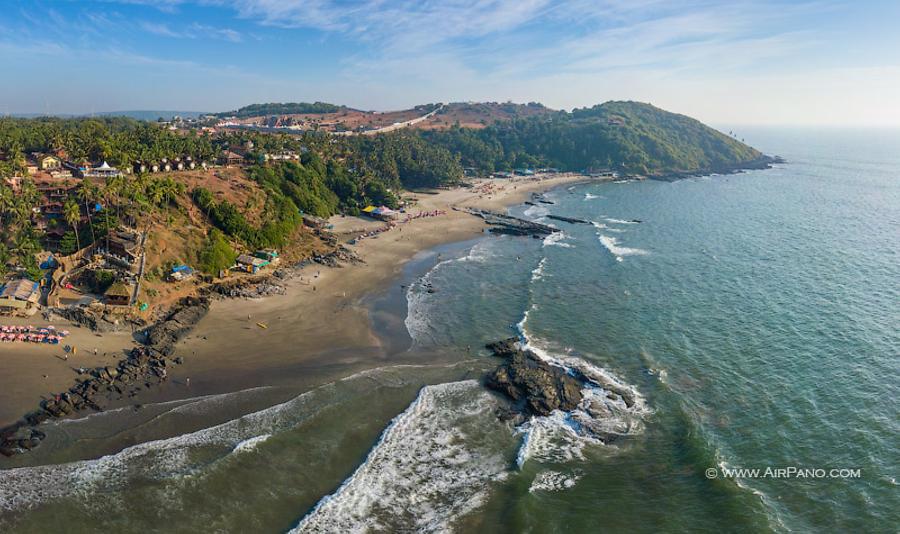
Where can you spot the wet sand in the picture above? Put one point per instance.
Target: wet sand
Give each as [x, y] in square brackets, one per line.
[318, 331]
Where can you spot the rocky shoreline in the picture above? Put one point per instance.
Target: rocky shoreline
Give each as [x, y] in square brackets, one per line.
[764, 162]
[147, 365]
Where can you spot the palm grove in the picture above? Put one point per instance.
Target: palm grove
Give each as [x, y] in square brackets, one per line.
[333, 174]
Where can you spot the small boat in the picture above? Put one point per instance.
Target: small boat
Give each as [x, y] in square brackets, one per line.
[262, 325]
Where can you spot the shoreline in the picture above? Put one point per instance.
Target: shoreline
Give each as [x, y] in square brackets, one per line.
[300, 347]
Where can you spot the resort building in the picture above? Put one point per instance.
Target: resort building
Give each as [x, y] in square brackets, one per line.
[103, 171]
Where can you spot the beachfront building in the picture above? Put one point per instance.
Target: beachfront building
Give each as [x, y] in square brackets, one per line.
[103, 171]
[250, 264]
[268, 254]
[118, 294]
[316, 223]
[20, 296]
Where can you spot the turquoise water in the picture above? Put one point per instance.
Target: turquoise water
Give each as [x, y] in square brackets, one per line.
[756, 316]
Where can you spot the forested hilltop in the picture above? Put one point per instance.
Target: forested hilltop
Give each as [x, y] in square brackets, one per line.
[629, 137]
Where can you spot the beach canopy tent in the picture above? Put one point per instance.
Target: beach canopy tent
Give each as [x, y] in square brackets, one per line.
[381, 212]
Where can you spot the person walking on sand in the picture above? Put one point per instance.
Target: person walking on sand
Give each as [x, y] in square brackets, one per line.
[187, 381]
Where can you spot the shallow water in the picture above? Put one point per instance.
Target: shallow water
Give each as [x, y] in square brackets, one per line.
[753, 317]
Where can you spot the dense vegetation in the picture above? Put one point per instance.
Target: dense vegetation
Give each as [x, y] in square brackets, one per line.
[275, 108]
[333, 174]
[118, 140]
[627, 136]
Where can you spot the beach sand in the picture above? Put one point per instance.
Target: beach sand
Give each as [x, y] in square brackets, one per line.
[318, 330]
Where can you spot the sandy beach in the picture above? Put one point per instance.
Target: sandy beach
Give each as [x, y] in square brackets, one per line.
[319, 329]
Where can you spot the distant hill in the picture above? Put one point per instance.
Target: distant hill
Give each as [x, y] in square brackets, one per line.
[628, 136]
[288, 108]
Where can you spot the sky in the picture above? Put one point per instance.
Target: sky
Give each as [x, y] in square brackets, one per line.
[804, 62]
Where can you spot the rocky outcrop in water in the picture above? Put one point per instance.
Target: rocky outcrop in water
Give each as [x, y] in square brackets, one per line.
[535, 386]
[571, 220]
[500, 223]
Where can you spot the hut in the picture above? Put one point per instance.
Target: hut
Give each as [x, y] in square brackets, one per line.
[22, 290]
[314, 222]
[118, 294]
[181, 272]
[230, 158]
[268, 254]
[250, 264]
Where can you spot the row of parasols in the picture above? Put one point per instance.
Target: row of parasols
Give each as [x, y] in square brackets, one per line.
[30, 334]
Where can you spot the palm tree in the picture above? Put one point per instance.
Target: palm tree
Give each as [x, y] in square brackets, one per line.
[6, 202]
[72, 214]
[87, 193]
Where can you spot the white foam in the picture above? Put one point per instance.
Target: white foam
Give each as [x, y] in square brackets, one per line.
[612, 244]
[602, 415]
[554, 481]
[588, 196]
[419, 301]
[557, 239]
[251, 443]
[537, 211]
[619, 221]
[26, 487]
[433, 463]
[538, 272]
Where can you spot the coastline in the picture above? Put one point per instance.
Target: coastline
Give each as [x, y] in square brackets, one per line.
[301, 347]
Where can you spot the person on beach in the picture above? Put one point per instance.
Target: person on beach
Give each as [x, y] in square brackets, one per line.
[187, 381]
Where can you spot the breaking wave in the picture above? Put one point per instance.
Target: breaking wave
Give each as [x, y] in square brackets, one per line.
[434, 463]
[612, 245]
[418, 322]
[538, 272]
[609, 409]
[588, 196]
[554, 481]
[536, 212]
[557, 239]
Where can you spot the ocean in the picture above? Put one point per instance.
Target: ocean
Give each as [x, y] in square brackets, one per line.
[754, 317]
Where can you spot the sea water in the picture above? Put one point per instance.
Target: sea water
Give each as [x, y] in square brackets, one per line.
[753, 318]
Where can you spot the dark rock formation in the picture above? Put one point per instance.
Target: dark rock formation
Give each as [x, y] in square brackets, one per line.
[165, 334]
[568, 219]
[535, 385]
[500, 223]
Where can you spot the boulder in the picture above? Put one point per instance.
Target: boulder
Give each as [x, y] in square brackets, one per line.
[537, 386]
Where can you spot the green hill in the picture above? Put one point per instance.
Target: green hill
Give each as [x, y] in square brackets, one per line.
[628, 136]
[277, 108]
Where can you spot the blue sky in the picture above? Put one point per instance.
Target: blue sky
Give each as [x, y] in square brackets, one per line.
[738, 62]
